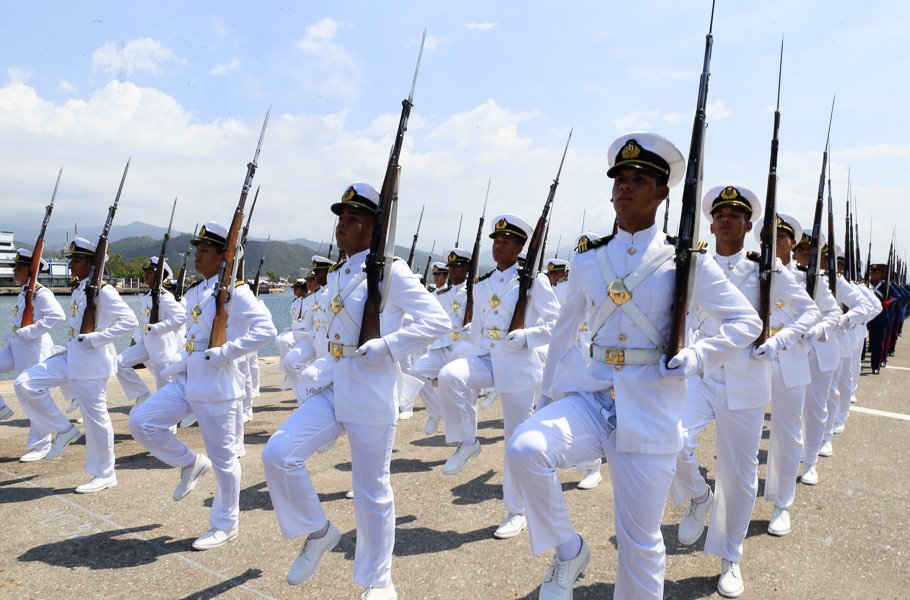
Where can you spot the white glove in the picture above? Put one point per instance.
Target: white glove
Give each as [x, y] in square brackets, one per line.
[682, 365]
[815, 333]
[294, 360]
[843, 321]
[517, 339]
[24, 333]
[375, 351]
[88, 341]
[175, 369]
[768, 350]
[217, 357]
[156, 329]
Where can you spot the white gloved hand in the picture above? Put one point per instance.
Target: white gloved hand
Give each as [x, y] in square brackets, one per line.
[843, 322]
[815, 333]
[217, 357]
[87, 341]
[24, 333]
[294, 360]
[175, 369]
[682, 365]
[156, 329]
[517, 339]
[375, 351]
[768, 350]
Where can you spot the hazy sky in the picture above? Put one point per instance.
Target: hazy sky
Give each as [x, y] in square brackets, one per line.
[183, 87]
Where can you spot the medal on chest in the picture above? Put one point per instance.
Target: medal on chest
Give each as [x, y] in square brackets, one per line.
[618, 292]
[336, 304]
[196, 311]
[148, 311]
[455, 305]
[495, 301]
[74, 308]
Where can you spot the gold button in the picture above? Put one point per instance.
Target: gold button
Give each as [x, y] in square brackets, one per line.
[337, 336]
[779, 304]
[622, 337]
[631, 250]
[346, 271]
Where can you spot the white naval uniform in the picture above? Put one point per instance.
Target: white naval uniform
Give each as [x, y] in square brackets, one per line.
[875, 306]
[158, 345]
[453, 299]
[30, 345]
[639, 432]
[249, 369]
[89, 360]
[212, 393]
[513, 372]
[824, 358]
[362, 400]
[855, 336]
[791, 374]
[301, 320]
[311, 344]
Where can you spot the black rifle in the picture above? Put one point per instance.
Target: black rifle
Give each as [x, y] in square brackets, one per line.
[857, 255]
[812, 270]
[768, 254]
[388, 199]
[426, 270]
[414, 241]
[890, 267]
[89, 315]
[257, 279]
[155, 291]
[832, 252]
[180, 284]
[666, 213]
[475, 262]
[28, 311]
[241, 262]
[458, 235]
[332, 239]
[686, 239]
[529, 271]
[848, 236]
[227, 273]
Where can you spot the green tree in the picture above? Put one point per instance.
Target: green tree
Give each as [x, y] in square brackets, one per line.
[273, 276]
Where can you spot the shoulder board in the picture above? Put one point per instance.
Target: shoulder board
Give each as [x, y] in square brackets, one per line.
[103, 283]
[484, 276]
[804, 269]
[38, 286]
[192, 285]
[337, 265]
[753, 256]
[586, 243]
[702, 245]
[442, 291]
[238, 283]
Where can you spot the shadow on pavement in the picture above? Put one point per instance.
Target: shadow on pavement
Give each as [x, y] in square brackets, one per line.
[106, 550]
[225, 586]
[477, 490]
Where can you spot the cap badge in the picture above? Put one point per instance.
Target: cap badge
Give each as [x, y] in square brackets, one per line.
[630, 150]
[501, 224]
[349, 194]
[453, 257]
[729, 193]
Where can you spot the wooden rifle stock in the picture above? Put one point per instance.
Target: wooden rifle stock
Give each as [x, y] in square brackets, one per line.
[28, 311]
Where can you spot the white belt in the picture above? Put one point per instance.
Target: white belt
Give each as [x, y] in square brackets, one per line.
[625, 356]
[339, 351]
[196, 345]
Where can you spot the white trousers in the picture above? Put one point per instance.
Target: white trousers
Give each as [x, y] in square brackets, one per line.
[6, 365]
[846, 386]
[815, 410]
[458, 384]
[427, 367]
[296, 503]
[840, 387]
[736, 481]
[785, 448]
[569, 432]
[35, 440]
[150, 424]
[33, 390]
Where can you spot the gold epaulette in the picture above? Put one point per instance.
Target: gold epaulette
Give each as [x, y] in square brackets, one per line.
[192, 285]
[585, 243]
[702, 245]
[753, 256]
[240, 282]
[482, 277]
[337, 265]
[442, 291]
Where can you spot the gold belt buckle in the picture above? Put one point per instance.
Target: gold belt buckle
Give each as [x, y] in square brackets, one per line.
[615, 356]
[453, 335]
[336, 350]
[189, 346]
[494, 334]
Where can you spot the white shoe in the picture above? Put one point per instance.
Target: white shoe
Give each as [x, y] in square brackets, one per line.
[839, 427]
[429, 428]
[72, 406]
[511, 526]
[853, 399]
[285, 385]
[809, 476]
[730, 584]
[215, 537]
[188, 421]
[557, 583]
[6, 412]
[62, 441]
[405, 415]
[489, 399]
[380, 593]
[591, 479]
[34, 455]
[349, 495]
[826, 450]
[692, 524]
[311, 553]
[780, 522]
[461, 457]
[97, 484]
[190, 475]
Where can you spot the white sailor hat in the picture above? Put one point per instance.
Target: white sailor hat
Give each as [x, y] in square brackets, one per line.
[457, 255]
[439, 267]
[648, 152]
[557, 265]
[784, 223]
[212, 233]
[301, 281]
[359, 195]
[24, 257]
[806, 238]
[731, 195]
[321, 262]
[81, 248]
[152, 264]
[511, 225]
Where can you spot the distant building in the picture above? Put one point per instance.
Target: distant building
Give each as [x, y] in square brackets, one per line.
[58, 276]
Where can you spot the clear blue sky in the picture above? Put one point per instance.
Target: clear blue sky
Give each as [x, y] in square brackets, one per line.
[182, 88]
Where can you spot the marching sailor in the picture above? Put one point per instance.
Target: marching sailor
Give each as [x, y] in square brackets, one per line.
[89, 360]
[359, 398]
[207, 382]
[157, 344]
[290, 336]
[506, 361]
[624, 404]
[440, 271]
[453, 299]
[558, 275]
[30, 345]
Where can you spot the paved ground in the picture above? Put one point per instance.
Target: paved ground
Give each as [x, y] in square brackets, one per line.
[849, 537]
